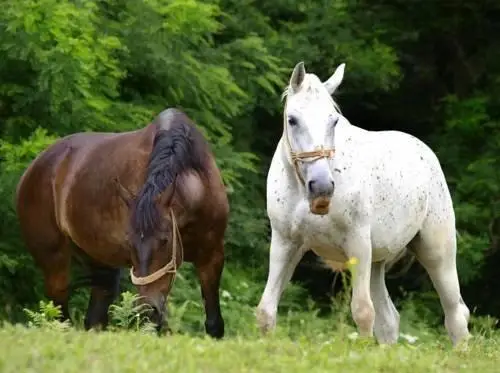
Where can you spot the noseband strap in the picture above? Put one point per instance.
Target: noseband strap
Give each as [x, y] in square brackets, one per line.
[310, 156]
[171, 266]
[313, 155]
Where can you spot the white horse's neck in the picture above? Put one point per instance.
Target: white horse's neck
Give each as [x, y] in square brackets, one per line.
[344, 130]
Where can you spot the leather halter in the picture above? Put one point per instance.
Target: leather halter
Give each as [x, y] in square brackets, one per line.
[309, 156]
[171, 266]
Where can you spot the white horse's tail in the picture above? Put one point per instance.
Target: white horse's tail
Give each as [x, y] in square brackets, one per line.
[407, 256]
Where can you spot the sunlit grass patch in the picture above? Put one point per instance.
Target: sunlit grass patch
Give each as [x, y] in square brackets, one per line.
[69, 350]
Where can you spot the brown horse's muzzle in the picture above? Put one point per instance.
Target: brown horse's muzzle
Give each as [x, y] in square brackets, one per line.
[156, 310]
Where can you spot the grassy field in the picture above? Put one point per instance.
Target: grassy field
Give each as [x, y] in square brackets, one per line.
[49, 350]
[302, 342]
[305, 340]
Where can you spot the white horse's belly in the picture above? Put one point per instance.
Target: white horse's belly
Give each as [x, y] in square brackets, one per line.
[329, 248]
[392, 230]
[325, 248]
[397, 214]
[392, 226]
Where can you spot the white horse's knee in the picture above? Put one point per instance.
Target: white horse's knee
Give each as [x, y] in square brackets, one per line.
[363, 314]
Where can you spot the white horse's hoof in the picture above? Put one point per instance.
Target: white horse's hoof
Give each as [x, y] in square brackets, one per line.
[265, 321]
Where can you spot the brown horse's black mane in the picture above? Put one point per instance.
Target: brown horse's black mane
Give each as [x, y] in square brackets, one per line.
[178, 146]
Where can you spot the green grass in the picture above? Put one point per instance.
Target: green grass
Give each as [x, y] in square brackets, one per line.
[49, 350]
[302, 342]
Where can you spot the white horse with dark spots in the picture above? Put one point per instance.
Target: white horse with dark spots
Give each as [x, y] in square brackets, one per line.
[345, 192]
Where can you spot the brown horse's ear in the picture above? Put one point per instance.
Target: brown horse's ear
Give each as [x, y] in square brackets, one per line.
[126, 195]
[165, 198]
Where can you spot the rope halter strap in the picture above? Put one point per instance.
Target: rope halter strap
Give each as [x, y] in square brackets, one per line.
[169, 268]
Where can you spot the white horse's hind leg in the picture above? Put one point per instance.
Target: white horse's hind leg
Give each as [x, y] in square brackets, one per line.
[362, 308]
[436, 247]
[283, 258]
[386, 326]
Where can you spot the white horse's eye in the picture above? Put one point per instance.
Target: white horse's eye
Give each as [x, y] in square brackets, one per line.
[292, 120]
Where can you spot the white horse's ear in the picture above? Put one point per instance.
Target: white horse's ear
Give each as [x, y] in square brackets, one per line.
[334, 81]
[298, 75]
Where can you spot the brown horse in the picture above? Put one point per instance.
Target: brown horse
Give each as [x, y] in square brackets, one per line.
[145, 199]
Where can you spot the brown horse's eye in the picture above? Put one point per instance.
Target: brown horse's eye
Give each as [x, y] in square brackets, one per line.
[292, 120]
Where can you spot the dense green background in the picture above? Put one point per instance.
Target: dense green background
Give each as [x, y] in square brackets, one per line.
[429, 68]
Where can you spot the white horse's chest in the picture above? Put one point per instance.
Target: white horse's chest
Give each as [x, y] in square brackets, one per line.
[318, 233]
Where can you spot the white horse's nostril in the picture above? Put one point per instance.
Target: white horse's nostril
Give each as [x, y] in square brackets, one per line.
[310, 185]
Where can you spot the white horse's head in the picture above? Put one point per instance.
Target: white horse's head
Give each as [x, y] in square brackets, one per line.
[310, 118]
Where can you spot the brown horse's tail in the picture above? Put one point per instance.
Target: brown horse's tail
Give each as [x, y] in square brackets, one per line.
[178, 147]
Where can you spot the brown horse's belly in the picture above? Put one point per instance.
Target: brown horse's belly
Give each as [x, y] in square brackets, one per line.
[104, 243]
[113, 256]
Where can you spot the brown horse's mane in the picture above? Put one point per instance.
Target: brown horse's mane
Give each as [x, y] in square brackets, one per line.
[178, 146]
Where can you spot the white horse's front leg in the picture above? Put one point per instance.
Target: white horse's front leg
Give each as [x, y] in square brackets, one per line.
[362, 308]
[283, 258]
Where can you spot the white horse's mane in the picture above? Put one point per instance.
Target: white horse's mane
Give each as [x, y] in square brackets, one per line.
[313, 86]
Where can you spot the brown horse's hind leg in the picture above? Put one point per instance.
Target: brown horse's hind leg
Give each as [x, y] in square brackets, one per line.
[55, 266]
[105, 288]
[209, 272]
[44, 240]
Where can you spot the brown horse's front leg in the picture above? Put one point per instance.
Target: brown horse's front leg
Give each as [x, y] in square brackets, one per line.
[105, 289]
[209, 272]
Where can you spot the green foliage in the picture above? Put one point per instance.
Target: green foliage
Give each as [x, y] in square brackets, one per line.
[16, 157]
[69, 69]
[129, 314]
[468, 146]
[46, 317]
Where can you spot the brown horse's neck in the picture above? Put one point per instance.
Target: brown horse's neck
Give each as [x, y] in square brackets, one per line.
[178, 148]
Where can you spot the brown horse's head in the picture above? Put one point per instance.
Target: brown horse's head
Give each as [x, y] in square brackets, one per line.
[154, 253]
[156, 257]
[156, 243]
